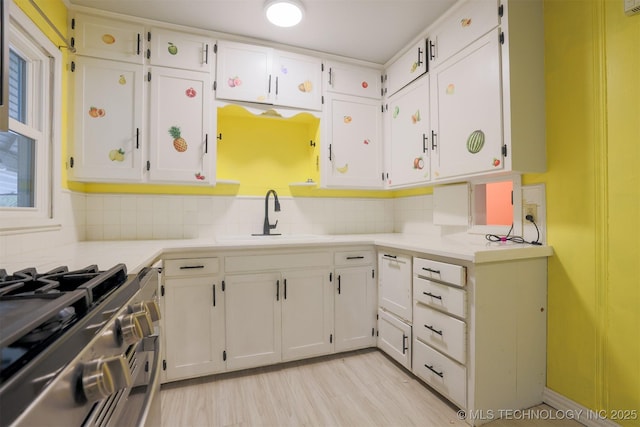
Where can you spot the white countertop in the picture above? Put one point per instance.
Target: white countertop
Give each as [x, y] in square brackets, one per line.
[136, 254]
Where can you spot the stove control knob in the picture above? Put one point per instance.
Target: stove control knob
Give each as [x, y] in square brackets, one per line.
[151, 306]
[129, 327]
[144, 320]
[102, 377]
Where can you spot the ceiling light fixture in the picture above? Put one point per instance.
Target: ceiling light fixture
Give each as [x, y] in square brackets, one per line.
[284, 13]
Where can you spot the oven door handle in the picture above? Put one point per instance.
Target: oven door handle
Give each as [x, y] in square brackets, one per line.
[146, 418]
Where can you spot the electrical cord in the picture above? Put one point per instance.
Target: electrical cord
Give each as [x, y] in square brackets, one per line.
[515, 239]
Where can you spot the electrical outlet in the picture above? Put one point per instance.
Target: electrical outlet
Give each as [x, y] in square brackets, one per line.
[530, 209]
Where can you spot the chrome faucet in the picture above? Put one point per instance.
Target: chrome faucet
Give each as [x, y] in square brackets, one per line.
[266, 229]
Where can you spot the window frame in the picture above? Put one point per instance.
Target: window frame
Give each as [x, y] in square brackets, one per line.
[44, 125]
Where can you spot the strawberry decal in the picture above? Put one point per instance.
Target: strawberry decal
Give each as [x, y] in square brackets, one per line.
[233, 82]
[496, 162]
[199, 176]
[191, 92]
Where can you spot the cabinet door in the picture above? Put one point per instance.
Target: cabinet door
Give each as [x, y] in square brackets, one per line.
[307, 313]
[394, 338]
[353, 157]
[394, 283]
[253, 318]
[408, 117]
[297, 80]
[181, 148]
[350, 79]
[408, 67]
[180, 50]
[464, 25]
[108, 121]
[468, 86]
[243, 72]
[108, 38]
[355, 308]
[193, 326]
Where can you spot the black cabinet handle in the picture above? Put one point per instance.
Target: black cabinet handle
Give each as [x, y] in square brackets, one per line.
[338, 285]
[432, 50]
[137, 138]
[206, 143]
[329, 152]
[419, 56]
[214, 295]
[425, 141]
[191, 267]
[390, 256]
[330, 82]
[276, 85]
[269, 91]
[431, 328]
[206, 53]
[277, 290]
[440, 374]
[355, 257]
[433, 140]
[138, 47]
[431, 270]
[285, 288]
[404, 344]
[429, 294]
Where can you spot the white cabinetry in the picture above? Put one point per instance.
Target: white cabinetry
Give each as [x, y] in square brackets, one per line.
[108, 38]
[193, 317]
[409, 138]
[355, 80]
[180, 50]
[279, 307]
[487, 90]
[395, 302]
[480, 332]
[408, 67]
[355, 299]
[260, 74]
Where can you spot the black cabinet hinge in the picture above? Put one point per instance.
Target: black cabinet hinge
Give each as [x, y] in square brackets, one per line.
[148, 36]
[149, 76]
[161, 290]
[322, 99]
[331, 277]
[148, 53]
[215, 85]
[73, 66]
[73, 42]
[331, 339]
[501, 11]
[148, 165]
[73, 23]
[224, 355]
[223, 286]
[373, 332]
[164, 364]
[382, 176]
[215, 48]
[373, 273]
[504, 150]
[501, 37]
[377, 317]
[71, 162]
[146, 366]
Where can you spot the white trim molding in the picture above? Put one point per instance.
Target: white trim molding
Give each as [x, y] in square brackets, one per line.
[573, 410]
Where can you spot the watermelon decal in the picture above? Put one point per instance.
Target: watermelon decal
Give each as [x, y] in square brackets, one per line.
[475, 142]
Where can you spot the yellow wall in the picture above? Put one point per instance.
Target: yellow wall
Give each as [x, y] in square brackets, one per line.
[592, 62]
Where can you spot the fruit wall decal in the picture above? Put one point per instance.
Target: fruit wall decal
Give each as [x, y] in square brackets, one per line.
[283, 69]
[396, 111]
[178, 141]
[365, 85]
[495, 162]
[234, 81]
[414, 67]
[122, 80]
[451, 88]
[116, 155]
[172, 48]
[344, 168]
[305, 86]
[191, 92]
[347, 119]
[96, 112]
[415, 118]
[199, 176]
[475, 142]
[465, 22]
[108, 39]
[366, 141]
[418, 163]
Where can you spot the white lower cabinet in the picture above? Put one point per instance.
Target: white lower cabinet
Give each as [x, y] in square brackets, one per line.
[394, 284]
[394, 338]
[355, 308]
[193, 307]
[440, 372]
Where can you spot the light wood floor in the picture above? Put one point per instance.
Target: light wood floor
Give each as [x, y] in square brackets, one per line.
[363, 388]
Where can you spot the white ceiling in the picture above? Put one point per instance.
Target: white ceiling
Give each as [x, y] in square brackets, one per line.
[369, 30]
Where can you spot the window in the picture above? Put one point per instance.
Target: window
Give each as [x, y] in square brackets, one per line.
[27, 149]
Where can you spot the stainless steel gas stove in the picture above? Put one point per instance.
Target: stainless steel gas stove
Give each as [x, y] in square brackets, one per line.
[79, 347]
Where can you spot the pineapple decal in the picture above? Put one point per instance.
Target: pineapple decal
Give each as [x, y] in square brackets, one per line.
[178, 141]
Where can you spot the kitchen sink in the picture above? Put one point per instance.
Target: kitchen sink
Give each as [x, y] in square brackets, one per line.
[272, 238]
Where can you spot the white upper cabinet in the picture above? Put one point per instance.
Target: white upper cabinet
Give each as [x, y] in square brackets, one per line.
[409, 136]
[182, 147]
[466, 111]
[108, 38]
[259, 74]
[352, 145]
[464, 24]
[350, 79]
[408, 67]
[180, 50]
[108, 125]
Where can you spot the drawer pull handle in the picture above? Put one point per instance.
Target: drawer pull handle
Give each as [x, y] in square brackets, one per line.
[404, 344]
[191, 267]
[429, 294]
[390, 256]
[431, 328]
[431, 270]
[440, 374]
[355, 257]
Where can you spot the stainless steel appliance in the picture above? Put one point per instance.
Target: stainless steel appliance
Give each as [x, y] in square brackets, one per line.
[79, 348]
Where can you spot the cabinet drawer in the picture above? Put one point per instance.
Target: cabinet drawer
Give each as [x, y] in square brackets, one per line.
[443, 297]
[266, 261]
[354, 258]
[441, 331]
[191, 266]
[394, 338]
[440, 372]
[441, 271]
